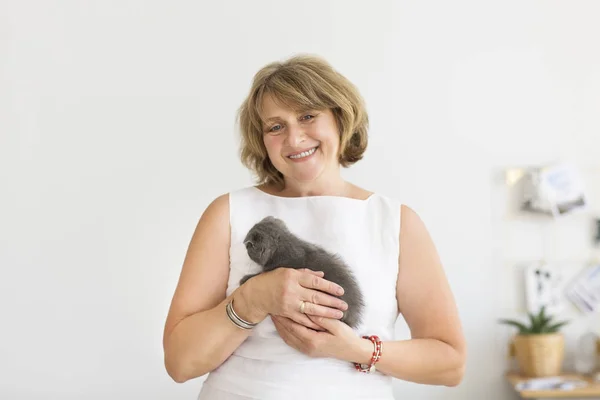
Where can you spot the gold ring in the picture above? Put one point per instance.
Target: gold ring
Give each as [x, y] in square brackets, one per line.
[302, 306]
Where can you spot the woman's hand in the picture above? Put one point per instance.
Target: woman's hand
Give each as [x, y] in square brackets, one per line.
[282, 292]
[335, 340]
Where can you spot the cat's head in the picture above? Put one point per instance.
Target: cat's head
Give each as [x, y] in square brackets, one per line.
[264, 238]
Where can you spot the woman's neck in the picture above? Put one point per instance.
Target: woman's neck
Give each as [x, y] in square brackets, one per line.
[335, 186]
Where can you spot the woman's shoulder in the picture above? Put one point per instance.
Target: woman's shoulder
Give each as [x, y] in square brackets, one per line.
[218, 207]
[225, 197]
[362, 193]
[380, 197]
[223, 206]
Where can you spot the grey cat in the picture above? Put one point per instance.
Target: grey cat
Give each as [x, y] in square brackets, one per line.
[271, 245]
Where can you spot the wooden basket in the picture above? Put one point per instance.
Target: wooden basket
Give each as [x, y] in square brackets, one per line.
[539, 355]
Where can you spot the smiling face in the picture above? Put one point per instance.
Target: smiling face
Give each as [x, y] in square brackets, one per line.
[294, 106]
[303, 146]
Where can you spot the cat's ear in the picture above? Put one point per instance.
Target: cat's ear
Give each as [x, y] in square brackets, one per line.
[278, 222]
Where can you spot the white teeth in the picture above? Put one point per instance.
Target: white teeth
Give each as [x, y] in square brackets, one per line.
[304, 153]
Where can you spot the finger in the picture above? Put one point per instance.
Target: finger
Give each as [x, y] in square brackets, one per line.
[283, 322]
[323, 299]
[278, 324]
[310, 271]
[330, 325]
[300, 319]
[311, 308]
[318, 283]
[284, 332]
[303, 319]
[298, 330]
[290, 333]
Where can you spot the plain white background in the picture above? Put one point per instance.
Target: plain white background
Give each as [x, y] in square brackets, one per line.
[117, 124]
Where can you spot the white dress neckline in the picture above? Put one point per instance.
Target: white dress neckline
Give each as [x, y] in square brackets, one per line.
[325, 197]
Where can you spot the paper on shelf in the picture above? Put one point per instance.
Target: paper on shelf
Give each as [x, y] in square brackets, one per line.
[550, 383]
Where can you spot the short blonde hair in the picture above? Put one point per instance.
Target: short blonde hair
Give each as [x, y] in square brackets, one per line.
[302, 82]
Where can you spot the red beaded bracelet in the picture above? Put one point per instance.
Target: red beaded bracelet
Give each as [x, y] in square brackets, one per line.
[368, 368]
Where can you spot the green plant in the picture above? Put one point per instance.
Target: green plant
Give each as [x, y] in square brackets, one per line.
[539, 323]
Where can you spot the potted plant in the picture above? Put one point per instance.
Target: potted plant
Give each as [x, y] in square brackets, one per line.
[538, 346]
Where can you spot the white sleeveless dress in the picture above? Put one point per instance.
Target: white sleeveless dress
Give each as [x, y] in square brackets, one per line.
[366, 234]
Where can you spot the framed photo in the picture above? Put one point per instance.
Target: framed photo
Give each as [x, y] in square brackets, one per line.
[544, 286]
[556, 190]
[584, 290]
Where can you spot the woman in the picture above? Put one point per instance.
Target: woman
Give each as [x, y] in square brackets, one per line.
[280, 334]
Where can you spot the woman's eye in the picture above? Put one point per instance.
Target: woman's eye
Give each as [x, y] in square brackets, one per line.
[307, 117]
[275, 128]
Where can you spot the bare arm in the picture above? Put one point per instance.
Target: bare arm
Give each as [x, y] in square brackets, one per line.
[198, 336]
[436, 352]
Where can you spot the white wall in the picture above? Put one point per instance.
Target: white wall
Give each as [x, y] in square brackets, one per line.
[117, 129]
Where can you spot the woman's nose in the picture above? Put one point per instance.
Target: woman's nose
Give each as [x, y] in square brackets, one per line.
[295, 135]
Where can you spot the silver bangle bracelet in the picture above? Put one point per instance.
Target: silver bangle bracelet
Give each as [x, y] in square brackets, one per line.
[239, 322]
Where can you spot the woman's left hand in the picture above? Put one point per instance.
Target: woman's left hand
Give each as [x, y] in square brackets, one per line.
[337, 340]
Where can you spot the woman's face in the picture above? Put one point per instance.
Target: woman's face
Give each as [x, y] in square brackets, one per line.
[302, 146]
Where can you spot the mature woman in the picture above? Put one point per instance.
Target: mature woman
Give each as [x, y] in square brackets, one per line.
[281, 333]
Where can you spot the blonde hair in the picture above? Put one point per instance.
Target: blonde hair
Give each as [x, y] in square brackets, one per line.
[301, 82]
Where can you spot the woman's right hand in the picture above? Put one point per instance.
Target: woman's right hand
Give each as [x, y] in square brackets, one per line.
[280, 292]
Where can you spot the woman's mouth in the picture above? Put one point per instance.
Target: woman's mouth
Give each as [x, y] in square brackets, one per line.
[304, 154]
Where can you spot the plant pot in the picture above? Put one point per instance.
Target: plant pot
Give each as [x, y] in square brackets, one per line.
[539, 354]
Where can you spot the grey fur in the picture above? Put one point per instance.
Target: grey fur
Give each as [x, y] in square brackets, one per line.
[271, 245]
